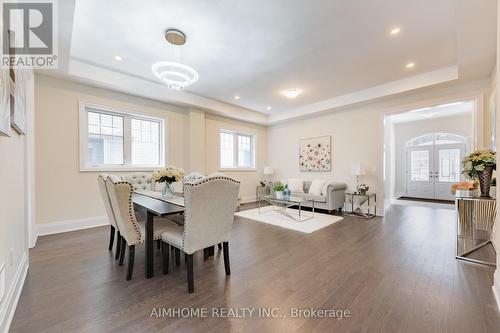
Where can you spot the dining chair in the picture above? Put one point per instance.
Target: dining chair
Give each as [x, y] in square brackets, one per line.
[101, 180]
[132, 231]
[210, 203]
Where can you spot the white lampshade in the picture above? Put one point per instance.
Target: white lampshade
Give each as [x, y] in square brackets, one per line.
[268, 170]
[358, 170]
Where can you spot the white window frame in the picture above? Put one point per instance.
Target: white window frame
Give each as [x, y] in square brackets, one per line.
[253, 143]
[85, 107]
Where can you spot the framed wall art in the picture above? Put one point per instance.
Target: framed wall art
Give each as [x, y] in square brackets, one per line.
[5, 108]
[315, 154]
[18, 114]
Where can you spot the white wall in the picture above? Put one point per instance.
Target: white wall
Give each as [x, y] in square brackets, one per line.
[356, 139]
[403, 132]
[65, 195]
[14, 212]
[250, 178]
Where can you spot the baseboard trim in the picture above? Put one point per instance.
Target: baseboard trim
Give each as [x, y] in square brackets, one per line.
[52, 228]
[496, 287]
[12, 298]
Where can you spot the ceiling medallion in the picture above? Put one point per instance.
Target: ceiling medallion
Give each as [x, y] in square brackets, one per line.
[176, 76]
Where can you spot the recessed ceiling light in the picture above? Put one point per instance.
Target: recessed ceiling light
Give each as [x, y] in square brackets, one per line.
[291, 93]
[176, 76]
[237, 97]
[118, 58]
[268, 108]
[410, 65]
[449, 104]
[395, 31]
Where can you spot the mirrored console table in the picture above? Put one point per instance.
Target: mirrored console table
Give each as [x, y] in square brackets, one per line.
[475, 221]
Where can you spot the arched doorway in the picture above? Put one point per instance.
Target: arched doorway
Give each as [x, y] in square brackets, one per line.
[433, 164]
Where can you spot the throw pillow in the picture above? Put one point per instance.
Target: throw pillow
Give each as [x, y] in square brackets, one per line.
[317, 186]
[296, 185]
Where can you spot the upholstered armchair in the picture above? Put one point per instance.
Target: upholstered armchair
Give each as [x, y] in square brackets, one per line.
[210, 203]
[131, 231]
[101, 180]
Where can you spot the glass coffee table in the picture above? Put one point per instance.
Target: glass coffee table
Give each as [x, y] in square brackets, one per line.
[280, 205]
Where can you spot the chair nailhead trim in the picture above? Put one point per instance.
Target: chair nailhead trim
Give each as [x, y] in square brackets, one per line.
[197, 183]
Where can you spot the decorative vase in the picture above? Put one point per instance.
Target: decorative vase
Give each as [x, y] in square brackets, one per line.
[279, 194]
[168, 191]
[485, 181]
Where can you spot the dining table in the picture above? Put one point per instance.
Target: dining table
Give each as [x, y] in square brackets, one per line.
[155, 205]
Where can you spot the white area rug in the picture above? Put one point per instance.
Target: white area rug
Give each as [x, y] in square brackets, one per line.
[267, 215]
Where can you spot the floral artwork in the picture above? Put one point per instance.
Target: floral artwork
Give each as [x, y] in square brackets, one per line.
[315, 154]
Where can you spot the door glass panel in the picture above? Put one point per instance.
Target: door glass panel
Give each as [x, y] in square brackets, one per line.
[419, 164]
[449, 165]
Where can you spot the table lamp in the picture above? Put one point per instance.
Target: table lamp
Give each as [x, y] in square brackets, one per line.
[357, 170]
[268, 171]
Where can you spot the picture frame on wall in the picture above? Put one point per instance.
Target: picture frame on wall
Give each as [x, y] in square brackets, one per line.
[493, 119]
[315, 154]
[18, 98]
[5, 98]
[12, 73]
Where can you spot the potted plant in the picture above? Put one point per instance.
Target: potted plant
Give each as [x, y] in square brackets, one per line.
[168, 176]
[480, 165]
[278, 189]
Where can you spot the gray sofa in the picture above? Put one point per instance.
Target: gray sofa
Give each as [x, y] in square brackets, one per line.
[332, 200]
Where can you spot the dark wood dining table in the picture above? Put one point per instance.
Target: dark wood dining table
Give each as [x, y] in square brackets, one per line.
[153, 207]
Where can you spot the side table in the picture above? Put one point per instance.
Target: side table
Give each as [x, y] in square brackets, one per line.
[361, 205]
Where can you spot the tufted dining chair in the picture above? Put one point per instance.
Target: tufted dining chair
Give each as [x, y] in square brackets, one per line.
[101, 180]
[140, 180]
[210, 203]
[131, 230]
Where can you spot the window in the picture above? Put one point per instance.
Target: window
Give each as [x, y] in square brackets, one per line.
[436, 139]
[115, 140]
[420, 161]
[237, 150]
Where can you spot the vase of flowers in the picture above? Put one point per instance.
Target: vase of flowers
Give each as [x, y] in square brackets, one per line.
[480, 165]
[168, 176]
[363, 189]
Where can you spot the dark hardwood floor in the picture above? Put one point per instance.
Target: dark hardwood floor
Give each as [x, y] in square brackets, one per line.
[396, 274]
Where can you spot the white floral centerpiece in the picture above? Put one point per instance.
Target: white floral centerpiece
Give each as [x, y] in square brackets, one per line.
[480, 165]
[363, 189]
[169, 175]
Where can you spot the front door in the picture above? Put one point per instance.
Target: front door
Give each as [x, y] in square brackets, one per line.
[420, 172]
[431, 170]
[448, 170]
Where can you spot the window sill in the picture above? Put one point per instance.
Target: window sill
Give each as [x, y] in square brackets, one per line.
[124, 169]
[237, 169]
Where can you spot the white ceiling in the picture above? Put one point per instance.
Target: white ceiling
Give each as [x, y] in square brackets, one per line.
[433, 112]
[330, 49]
